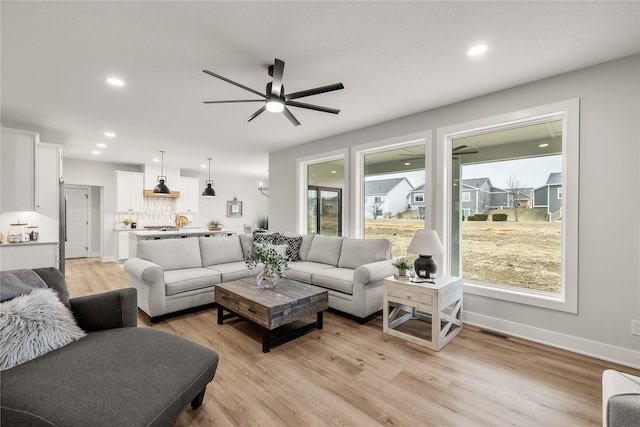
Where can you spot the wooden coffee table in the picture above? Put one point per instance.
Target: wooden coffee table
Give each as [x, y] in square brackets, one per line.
[289, 301]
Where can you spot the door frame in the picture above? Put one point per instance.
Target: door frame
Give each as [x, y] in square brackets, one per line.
[89, 204]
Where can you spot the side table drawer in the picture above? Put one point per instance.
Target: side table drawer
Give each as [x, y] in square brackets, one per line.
[255, 312]
[409, 295]
[226, 299]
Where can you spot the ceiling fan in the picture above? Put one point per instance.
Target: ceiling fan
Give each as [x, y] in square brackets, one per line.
[275, 99]
[461, 150]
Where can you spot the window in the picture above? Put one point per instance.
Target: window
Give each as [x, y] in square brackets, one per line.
[531, 245]
[559, 193]
[466, 196]
[377, 199]
[418, 197]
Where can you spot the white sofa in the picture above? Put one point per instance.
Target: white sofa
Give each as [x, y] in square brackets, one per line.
[176, 274]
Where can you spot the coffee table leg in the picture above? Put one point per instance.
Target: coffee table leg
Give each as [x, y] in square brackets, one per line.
[220, 314]
[320, 318]
[265, 340]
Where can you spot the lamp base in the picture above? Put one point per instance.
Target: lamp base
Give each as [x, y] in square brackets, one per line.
[425, 266]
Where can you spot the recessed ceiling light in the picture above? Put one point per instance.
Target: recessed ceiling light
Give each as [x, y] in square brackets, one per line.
[114, 81]
[407, 163]
[334, 172]
[543, 145]
[203, 166]
[101, 145]
[110, 134]
[478, 49]
[155, 160]
[95, 152]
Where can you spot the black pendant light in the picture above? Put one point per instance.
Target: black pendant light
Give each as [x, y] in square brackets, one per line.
[209, 191]
[162, 188]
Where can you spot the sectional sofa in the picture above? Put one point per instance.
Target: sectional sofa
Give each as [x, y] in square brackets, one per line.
[171, 275]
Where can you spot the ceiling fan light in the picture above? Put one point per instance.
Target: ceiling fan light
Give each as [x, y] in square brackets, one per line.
[275, 106]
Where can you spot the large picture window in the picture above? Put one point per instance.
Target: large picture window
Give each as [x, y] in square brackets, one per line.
[511, 233]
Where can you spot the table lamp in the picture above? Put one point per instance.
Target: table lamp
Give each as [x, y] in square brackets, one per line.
[425, 243]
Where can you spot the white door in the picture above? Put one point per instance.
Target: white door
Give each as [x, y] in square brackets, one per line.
[77, 244]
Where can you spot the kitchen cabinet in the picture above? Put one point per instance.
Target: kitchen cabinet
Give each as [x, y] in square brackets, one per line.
[129, 191]
[17, 169]
[123, 244]
[48, 175]
[28, 255]
[189, 200]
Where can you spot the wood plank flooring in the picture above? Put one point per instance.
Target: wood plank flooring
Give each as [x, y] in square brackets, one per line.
[349, 374]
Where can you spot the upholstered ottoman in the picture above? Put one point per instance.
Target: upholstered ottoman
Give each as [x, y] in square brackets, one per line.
[620, 399]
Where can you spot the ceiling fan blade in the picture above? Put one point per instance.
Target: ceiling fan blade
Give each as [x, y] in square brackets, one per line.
[256, 114]
[290, 116]
[236, 100]
[315, 91]
[278, 72]
[312, 107]
[460, 147]
[234, 83]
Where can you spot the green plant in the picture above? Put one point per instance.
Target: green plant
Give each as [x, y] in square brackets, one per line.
[215, 223]
[274, 263]
[499, 217]
[401, 264]
[263, 222]
[481, 217]
[471, 218]
[126, 222]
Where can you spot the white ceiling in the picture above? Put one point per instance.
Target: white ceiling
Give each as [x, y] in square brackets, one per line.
[394, 58]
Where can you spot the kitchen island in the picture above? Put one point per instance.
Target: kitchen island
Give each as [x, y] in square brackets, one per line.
[136, 235]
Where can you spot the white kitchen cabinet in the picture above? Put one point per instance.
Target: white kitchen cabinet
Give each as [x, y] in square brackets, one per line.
[48, 174]
[17, 169]
[129, 191]
[189, 200]
[123, 244]
[28, 255]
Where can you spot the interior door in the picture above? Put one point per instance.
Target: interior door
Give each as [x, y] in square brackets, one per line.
[77, 238]
[325, 211]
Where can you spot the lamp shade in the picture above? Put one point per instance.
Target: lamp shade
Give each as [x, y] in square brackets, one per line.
[426, 242]
[209, 191]
[161, 188]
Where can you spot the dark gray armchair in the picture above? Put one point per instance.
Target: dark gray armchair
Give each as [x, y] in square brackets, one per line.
[115, 376]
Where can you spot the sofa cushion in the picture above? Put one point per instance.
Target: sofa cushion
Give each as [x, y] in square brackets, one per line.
[303, 270]
[293, 246]
[246, 241]
[32, 325]
[171, 254]
[220, 250]
[188, 279]
[19, 282]
[124, 376]
[357, 252]
[338, 279]
[325, 250]
[233, 271]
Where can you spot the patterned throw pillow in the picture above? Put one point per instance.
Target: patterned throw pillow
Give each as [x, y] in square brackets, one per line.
[293, 246]
[271, 238]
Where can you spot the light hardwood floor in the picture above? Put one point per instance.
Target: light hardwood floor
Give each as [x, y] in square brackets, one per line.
[349, 374]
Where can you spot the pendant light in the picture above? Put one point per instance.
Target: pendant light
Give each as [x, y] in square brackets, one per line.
[209, 191]
[162, 188]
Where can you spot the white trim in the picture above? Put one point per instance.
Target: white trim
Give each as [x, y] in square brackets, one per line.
[610, 353]
[569, 111]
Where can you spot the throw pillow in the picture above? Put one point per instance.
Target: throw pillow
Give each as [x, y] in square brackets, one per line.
[32, 325]
[293, 246]
[270, 238]
[280, 249]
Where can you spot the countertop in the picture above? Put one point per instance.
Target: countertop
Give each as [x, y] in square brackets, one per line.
[30, 243]
[181, 232]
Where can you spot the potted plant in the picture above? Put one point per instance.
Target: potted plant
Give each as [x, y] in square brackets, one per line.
[126, 222]
[274, 263]
[402, 265]
[263, 223]
[215, 225]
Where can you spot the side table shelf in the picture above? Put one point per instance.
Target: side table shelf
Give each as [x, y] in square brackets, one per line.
[434, 308]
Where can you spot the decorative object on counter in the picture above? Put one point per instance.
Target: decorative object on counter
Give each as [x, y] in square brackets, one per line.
[34, 234]
[209, 191]
[263, 223]
[162, 187]
[126, 222]
[262, 190]
[234, 208]
[181, 221]
[1, 237]
[425, 243]
[17, 233]
[215, 225]
[274, 263]
[134, 225]
[402, 265]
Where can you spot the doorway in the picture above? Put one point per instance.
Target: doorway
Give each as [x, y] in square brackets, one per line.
[325, 211]
[77, 217]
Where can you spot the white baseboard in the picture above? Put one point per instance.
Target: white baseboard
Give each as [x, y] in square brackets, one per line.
[610, 353]
[109, 258]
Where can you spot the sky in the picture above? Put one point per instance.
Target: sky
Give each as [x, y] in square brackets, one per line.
[531, 173]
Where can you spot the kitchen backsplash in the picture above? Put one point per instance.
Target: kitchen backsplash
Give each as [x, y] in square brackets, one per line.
[157, 211]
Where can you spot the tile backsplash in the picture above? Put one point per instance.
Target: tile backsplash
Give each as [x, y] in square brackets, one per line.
[157, 211]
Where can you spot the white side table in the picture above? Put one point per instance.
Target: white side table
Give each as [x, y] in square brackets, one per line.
[437, 306]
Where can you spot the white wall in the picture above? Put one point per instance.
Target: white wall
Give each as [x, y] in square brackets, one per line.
[101, 175]
[609, 244]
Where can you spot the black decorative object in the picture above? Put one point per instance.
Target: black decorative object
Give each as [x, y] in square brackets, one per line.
[162, 188]
[209, 191]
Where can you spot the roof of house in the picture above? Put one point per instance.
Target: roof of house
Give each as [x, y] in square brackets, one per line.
[555, 178]
[418, 188]
[475, 182]
[382, 186]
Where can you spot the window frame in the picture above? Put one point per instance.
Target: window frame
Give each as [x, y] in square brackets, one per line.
[569, 110]
[463, 198]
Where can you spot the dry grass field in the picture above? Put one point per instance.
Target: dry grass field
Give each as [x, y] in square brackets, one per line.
[526, 254]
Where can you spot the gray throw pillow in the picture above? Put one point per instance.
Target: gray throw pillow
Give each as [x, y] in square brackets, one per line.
[32, 325]
[271, 238]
